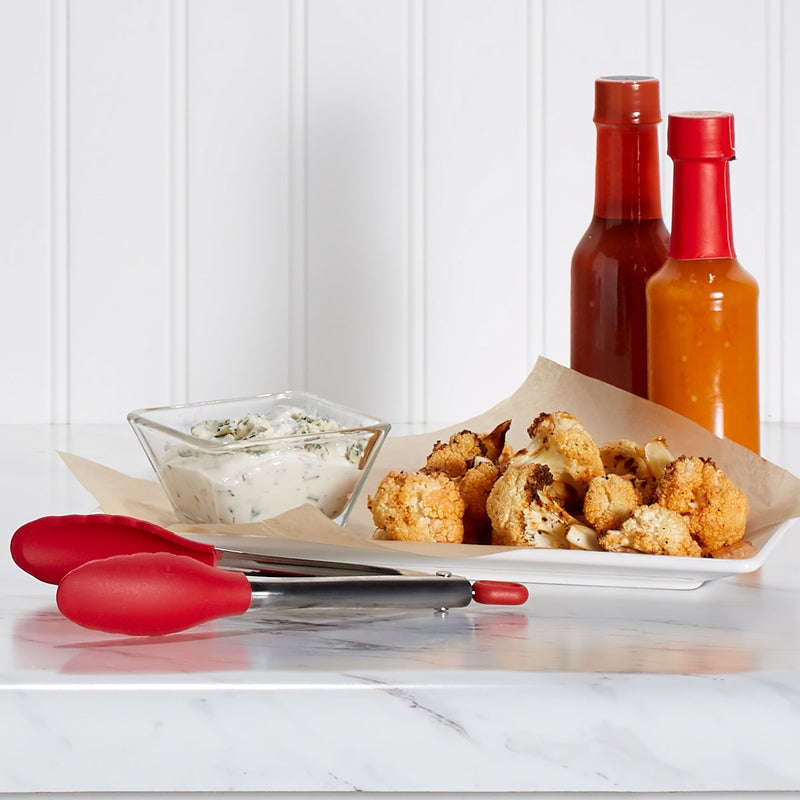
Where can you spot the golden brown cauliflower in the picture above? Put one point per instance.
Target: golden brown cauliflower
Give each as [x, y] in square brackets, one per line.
[644, 465]
[456, 455]
[609, 501]
[714, 508]
[474, 486]
[522, 512]
[655, 530]
[563, 444]
[418, 506]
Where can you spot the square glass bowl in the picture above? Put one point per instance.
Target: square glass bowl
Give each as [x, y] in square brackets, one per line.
[317, 452]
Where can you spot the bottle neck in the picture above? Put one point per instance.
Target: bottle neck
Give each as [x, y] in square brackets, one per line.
[627, 184]
[701, 210]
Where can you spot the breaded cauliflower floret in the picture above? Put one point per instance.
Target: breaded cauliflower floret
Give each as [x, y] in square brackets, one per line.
[714, 508]
[474, 486]
[563, 444]
[655, 530]
[644, 465]
[609, 501]
[522, 512]
[417, 506]
[456, 455]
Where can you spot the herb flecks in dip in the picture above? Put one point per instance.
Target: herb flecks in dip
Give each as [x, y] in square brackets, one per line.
[249, 484]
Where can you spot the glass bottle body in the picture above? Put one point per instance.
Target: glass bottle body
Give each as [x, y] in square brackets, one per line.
[703, 345]
[626, 241]
[702, 305]
[610, 268]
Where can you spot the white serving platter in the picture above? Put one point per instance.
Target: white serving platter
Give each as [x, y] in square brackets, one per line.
[528, 565]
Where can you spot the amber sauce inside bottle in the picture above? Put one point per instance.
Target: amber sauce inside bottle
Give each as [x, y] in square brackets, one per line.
[626, 241]
[703, 305]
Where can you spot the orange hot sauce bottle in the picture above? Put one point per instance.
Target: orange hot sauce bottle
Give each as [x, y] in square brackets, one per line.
[702, 306]
[626, 241]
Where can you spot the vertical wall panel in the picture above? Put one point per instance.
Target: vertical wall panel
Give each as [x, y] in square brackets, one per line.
[772, 311]
[535, 168]
[25, 214]
[297, 368]
[357, 190]
[118, 211]
[476, 260]
[583, 41]
[416, 164]
[238, 167]
[789, 286]
[178, 202]
[59, 212]
[717, 60]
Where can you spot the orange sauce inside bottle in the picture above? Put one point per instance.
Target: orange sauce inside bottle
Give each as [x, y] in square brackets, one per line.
[703, 335]
[702, 305]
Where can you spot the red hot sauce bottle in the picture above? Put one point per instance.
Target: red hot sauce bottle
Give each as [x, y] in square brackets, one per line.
[702, 305]
[626, 241]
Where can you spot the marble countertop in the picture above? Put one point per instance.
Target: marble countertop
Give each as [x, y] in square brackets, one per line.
[586, 690]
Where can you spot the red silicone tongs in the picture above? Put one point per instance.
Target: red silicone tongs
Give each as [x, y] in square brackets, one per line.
[123, 575]
[150, 594]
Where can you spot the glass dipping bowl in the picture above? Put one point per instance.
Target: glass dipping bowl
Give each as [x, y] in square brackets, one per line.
[241, 480]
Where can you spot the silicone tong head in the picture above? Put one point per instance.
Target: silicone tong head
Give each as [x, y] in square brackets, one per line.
[149, 594]
[50, 547]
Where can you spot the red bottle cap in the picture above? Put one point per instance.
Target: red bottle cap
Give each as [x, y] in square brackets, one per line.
[700, 135]
[626, 99]
[701, 145]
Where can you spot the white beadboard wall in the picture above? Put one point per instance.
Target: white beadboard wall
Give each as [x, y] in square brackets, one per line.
[374, 200]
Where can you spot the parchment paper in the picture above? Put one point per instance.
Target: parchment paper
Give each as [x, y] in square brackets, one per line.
[605, 411]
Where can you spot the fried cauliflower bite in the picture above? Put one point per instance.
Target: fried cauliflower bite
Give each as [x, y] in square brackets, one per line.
[644, 465]
[522, 512]
[609, 501]
[654, 530]
[474, 486]
[456, 455]
[559, 441]
[714, 508]
[418, 506]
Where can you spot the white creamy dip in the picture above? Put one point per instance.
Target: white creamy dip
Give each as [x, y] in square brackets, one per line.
[265, 480]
